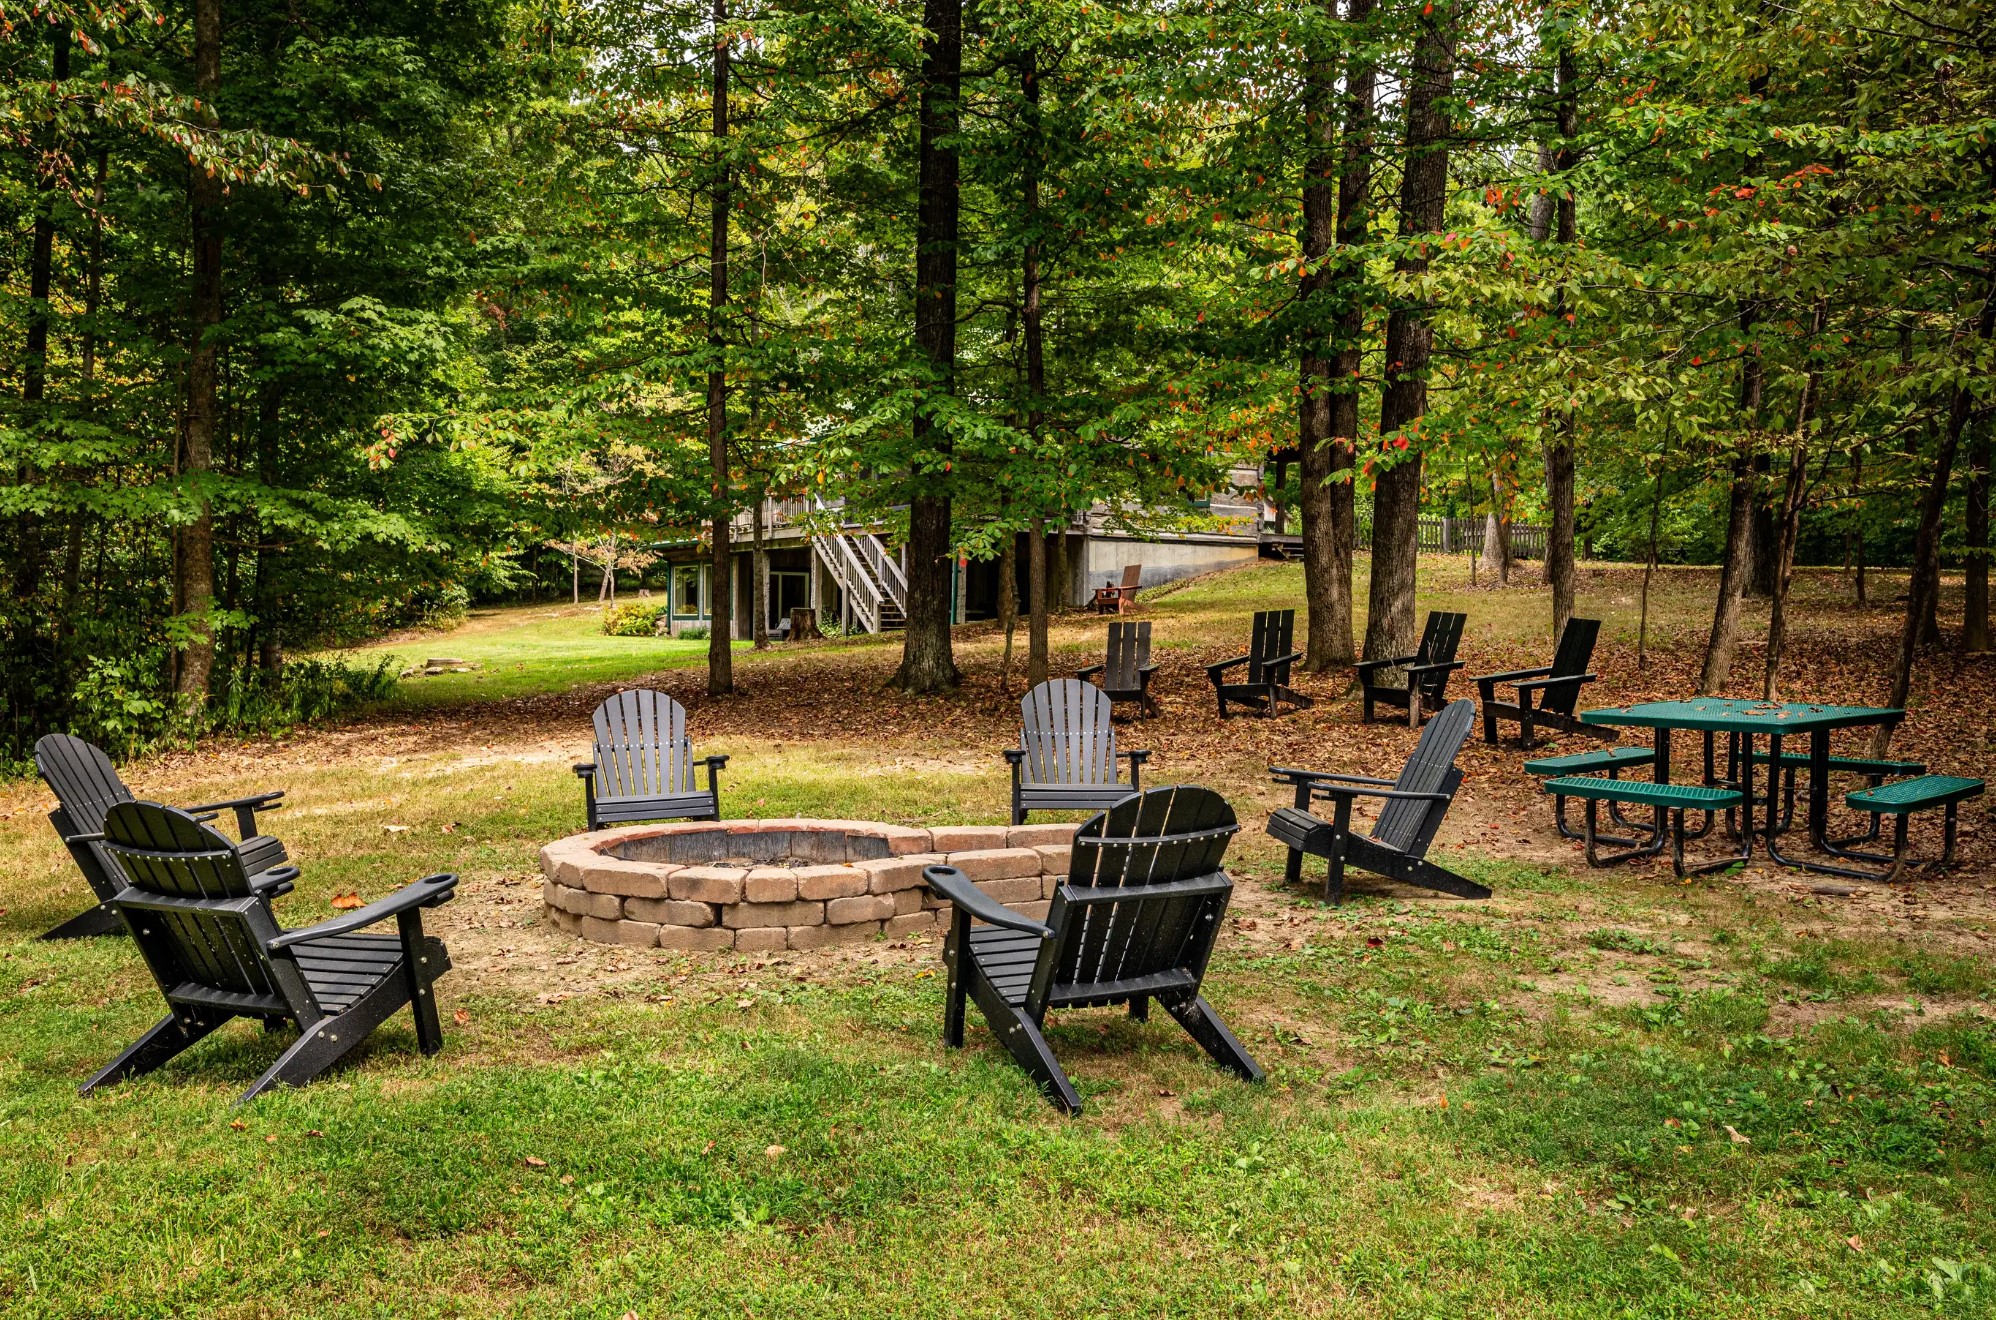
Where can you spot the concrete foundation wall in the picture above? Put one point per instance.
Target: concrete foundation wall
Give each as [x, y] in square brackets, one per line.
[1101, 563]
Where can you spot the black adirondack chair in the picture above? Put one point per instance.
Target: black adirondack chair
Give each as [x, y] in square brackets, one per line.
[1271, 650]
[217, 952]
[1135, 921]
[644, 764]
[1423, 686]
[1412, 810]
[1546, 694]
[1066, 757]
[1126, 673]
[86, 786]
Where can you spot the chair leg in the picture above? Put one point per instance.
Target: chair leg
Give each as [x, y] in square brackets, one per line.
[1292, 870]
[1204, 1026]
[1023, 1040]
[416, 956]
[100, 920]
[1140, 1009]
[317, 1048]
[165, 1039]
[953, 991]
[1334, 878]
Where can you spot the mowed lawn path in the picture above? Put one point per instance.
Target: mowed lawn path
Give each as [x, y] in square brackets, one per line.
[1602, 1093]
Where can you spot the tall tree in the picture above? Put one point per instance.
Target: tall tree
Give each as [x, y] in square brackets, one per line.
[1559, 455]
[1327, 424]
[721, 608]
[196, 549]
[927, 661]
[1389, 625]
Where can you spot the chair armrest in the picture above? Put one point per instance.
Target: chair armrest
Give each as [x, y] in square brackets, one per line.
[1138, 755]
[430, 891]
[1569, 680]
[244, 807]
[1214, 671]
[1015, 755]
[1354, 790]
[1512, 675]
[715, 762]
[584, 769]
[1441, 666]
[255, 802]
[1289, 659]
[1366, 666]
[276, 875]
[1148, 669]
[1283, 775]
[1092, 669]
[954, 885]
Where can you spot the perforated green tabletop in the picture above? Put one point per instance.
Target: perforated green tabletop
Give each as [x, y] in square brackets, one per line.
[1729, 714]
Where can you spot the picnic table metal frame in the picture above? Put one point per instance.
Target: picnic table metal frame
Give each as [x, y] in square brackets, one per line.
[1744, 721]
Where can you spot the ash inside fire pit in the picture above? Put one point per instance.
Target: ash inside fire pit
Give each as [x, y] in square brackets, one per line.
[761, 885]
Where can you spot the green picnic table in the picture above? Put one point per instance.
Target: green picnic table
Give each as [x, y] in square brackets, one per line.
[1745, 721]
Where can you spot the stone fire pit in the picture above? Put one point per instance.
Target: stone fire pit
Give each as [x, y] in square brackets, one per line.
[762, 885]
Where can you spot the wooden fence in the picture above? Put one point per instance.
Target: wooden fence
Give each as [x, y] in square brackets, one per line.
[1461, 536]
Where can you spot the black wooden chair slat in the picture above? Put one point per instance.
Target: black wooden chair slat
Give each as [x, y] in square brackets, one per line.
[1407, 822]
[1264, 687]
[643, 764]
[1126, 668]
[1067, 753]
[1547, 694]
[216, 952]
[87, 786]
[1424, 676]
[1136, 921]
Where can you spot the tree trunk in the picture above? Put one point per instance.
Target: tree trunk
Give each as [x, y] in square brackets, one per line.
[1036, 604]
[1060, 587]
[1008, 604]
[269, 634]
[1034, 331]
[28, 538]
[1724, 640]
[758, 578]
[1560, 572]
[721, 577]
[1497, 554]
[1330, 394]
[1725, 635]
[1788, 527]
[1857, 531]
[1925, 584]
[1649, 572]
[927, 663]
[1764, 541]
[195, 562]
[1389, 628]
[1975, 594]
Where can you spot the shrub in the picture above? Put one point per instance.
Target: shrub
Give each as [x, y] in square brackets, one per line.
[699, 632]
[121, 705]
[636, 618]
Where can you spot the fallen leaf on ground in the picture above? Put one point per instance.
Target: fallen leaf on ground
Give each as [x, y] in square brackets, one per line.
[460, 1017]
[395, 829]
[1738, 1140]
[348, 901]
[774, 1152]
[536, 1162]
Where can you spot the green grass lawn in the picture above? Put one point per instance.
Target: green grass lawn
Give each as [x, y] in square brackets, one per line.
[527, 649]
[1599, 1094]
